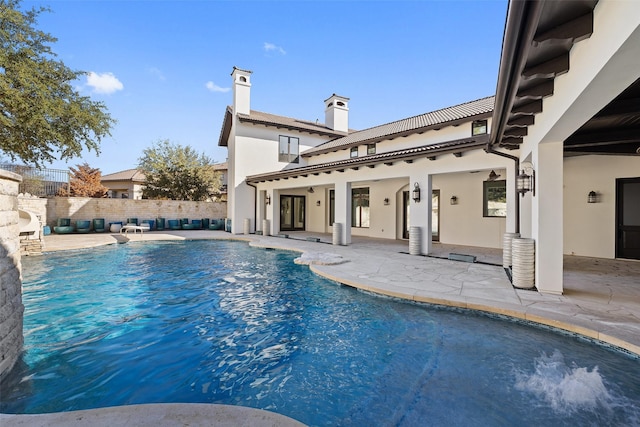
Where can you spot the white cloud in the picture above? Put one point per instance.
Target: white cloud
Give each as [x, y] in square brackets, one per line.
[270, 47]
[215, 88]
[104, 83]
[157, 73]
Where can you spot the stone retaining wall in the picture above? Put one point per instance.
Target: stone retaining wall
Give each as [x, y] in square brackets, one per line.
[114, 210]
[11, 307]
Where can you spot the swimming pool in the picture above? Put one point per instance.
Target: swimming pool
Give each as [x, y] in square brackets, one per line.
[219, 322]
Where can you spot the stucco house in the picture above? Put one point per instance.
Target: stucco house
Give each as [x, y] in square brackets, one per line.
[127, 184]
[554, 156]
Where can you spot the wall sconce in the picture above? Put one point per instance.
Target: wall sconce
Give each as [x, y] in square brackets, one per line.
[592, 197]
[267, 200]
[453, 200]
[318, 203]
[526, 181]
[386, 201]
[310, 190]
[416, 193]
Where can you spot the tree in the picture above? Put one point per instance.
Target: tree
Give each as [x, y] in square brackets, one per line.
[178, 173]
[85, 181]
[42, 116]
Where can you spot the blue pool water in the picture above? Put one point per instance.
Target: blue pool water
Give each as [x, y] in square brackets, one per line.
[219, 322]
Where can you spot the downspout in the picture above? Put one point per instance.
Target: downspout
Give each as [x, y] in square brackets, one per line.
[255, 203]
[489, 149]
[520, 28]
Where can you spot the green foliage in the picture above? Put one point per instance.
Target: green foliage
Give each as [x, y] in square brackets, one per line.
[85, 181]
[178, 173]
[42, 116]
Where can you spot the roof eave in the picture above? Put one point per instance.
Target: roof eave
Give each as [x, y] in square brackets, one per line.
[465, 144]
[399, 134]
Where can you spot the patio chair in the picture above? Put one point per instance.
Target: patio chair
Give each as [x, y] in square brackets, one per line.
[98, 225]
[64, 226]
[83, 226]
[174, 224]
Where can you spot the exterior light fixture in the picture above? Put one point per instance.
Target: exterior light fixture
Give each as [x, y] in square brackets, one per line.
[453, 200]
[526, 180]
[592, 197]
[318, 203]
[386, 201]
[416, 193]
[493, 176]
[267, 200]
[310, 190]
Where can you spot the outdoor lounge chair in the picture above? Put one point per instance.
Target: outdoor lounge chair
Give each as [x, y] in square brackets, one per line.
[174, 224]
[135, 228]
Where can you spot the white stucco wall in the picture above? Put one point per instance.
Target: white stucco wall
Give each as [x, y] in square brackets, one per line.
[589, 228]
[463, 224]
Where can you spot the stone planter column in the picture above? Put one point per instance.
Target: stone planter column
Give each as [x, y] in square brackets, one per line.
[337, 233]
[12, 309]
[415, 240]
[524, 258]
[265, 227]
[507, 240]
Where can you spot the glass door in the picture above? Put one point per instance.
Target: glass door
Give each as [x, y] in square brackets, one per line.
[406, 205]
[435, 215]
[628, 218]
[292, 212]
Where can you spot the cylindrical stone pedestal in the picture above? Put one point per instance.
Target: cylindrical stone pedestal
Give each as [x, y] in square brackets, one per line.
[523, 257]
[265, 227]
[337, 233]
[415, 240]
[506, 248]
[246, 226]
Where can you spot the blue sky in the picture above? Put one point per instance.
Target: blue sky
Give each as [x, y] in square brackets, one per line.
[163, 67]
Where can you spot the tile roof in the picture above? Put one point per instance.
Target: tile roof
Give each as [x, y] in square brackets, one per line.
[435, 119]
[126, 175]
[259, 117]
[220, 166]
[408, 155]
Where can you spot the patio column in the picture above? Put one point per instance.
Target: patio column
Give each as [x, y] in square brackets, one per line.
[512, 217]
[547, 213]
[261, 210]
[343, 210]
[420, 212]
[273, 212]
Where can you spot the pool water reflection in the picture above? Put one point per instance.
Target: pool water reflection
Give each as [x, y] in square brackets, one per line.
[220, 322]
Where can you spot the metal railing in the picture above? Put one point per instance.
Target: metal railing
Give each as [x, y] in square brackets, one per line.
[40, 182]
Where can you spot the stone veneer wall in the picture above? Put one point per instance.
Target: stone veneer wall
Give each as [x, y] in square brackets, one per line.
[113, 210]
[11, 307]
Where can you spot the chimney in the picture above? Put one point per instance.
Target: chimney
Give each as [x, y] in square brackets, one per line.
[241, 91]
[336, 113]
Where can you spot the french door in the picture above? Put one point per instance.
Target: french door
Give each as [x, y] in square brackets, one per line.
[292, 213]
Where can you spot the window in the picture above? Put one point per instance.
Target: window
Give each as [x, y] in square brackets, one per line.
[288, 149]
[354, 152]
[371, 149]
[478, 127]
[360, 207]
[494, 198]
